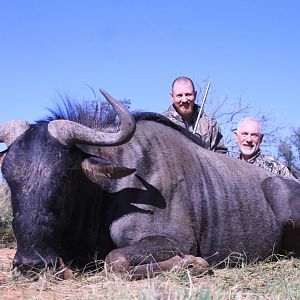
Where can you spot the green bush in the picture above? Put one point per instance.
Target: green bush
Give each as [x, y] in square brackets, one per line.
[6, 233]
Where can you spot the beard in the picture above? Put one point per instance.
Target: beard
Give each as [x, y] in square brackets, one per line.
[248, 151]
[186, 111]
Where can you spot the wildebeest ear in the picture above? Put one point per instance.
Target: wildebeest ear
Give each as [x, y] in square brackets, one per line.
[96, 168]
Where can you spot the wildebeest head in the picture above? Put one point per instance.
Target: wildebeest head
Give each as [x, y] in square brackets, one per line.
[37, 167]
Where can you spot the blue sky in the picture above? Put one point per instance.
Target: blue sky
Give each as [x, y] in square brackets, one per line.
[134, 49]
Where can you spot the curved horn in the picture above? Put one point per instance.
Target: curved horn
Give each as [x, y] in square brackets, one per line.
[10, 131]
[69, 133]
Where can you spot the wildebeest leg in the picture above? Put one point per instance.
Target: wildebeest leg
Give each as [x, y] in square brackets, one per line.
[198, 264]
[291, 239]
[120, 264]
[150, 258]
[283, 196]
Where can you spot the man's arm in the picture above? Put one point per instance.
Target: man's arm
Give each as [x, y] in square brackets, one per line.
[217, 143]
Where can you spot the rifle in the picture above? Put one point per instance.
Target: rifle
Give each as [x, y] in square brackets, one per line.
[201, 108]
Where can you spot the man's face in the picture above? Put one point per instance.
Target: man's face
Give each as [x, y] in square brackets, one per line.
[248, 138]
[184, 97]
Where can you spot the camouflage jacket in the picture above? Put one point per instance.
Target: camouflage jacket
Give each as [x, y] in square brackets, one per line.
[270, 164]
[208, 128]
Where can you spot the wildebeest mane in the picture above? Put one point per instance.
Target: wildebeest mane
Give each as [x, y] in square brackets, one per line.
[151, 116]
[95, 114]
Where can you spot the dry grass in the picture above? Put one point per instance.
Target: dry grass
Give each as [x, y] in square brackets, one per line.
[4, 198]
[272, 280]
[6, 233]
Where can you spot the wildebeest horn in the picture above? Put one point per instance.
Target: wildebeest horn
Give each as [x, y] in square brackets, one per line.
[69, 133]
[10, 131]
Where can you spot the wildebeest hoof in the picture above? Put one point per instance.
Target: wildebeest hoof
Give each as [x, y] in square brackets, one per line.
[64, 272]
[17, 275]
[197, 264]
[68, 274]
[21, 276]
[117, 261]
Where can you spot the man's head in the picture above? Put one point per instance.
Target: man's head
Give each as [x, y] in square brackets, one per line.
[248, 137]
[184, 95]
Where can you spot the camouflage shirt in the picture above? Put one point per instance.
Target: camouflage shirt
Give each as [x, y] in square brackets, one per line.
[270, 164]
[208, 128]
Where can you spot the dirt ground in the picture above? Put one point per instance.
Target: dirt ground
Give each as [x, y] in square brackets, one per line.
[6, 256]
[267, 280]
[15, 291]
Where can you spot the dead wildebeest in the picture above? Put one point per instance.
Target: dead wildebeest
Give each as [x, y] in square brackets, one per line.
[144, 198]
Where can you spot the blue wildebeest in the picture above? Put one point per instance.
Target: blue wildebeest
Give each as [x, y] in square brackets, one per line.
[144, 195]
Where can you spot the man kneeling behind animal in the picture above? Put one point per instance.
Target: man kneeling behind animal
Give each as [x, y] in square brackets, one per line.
[249, 138]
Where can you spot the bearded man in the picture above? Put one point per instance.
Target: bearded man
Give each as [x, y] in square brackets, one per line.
[184, 112]
[249, 136]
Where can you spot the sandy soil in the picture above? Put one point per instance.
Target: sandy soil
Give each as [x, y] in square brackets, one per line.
[6, 257]
[9, 290]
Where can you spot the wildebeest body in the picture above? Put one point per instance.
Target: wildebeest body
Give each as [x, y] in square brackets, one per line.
[182, 199]
[208, 198]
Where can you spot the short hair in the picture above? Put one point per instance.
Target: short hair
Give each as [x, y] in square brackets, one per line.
[184, 79]
[250, 119]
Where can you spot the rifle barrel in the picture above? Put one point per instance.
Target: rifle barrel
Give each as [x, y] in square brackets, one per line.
[201, 108]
